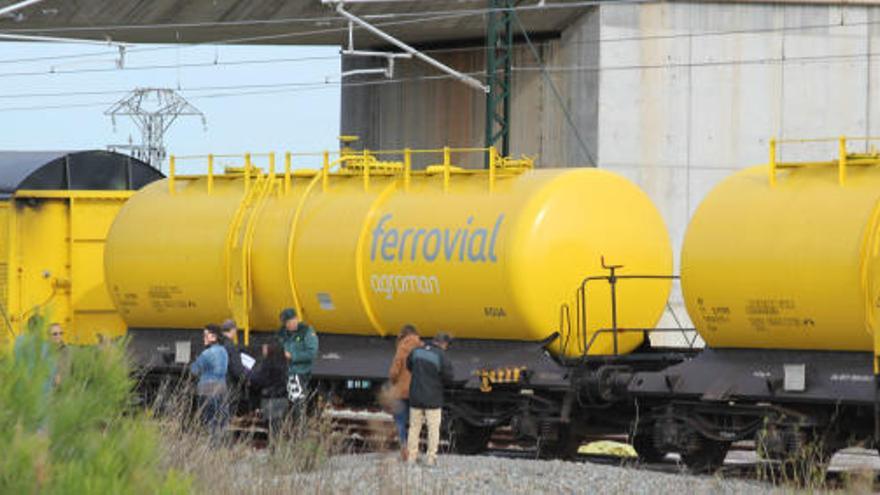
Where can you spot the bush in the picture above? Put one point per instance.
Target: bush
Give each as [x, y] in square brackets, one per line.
[66, 425]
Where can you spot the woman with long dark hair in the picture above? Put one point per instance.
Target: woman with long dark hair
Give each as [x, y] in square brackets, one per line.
[269, 379]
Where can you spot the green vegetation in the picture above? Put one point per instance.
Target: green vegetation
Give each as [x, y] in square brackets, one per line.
[66, 425]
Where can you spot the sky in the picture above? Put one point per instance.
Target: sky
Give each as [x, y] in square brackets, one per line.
[251, 96]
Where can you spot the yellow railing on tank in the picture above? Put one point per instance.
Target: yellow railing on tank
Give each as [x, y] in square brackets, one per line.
[844, 157]
[366, 163]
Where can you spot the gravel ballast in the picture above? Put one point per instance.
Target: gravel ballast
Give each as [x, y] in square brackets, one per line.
[383, 473]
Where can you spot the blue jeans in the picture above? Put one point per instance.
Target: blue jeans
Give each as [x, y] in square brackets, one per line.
[215, 413]
[401, 419]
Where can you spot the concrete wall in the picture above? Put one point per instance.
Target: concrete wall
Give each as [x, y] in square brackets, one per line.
[690, 93]
[674, 95]
[431, 113]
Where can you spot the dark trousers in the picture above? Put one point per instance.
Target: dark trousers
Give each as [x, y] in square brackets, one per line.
[237, 398]
[274, 412]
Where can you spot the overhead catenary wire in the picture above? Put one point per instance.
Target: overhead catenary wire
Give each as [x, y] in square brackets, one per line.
[261, 89]
[292, 85]
[254, 39]
[171, 66]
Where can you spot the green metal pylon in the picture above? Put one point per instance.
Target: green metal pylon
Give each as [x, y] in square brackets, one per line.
[499, 57]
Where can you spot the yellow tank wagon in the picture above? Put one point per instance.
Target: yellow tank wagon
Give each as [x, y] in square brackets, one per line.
[779, 272]
[362, 244]
[784, 256]
[55, 211]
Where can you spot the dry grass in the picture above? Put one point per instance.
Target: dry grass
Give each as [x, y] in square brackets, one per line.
[310, 456]
[233, 463]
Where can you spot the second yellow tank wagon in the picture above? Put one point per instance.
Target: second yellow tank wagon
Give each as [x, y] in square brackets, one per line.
[55, 210]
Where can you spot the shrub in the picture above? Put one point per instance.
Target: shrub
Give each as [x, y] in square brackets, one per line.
[66, 425]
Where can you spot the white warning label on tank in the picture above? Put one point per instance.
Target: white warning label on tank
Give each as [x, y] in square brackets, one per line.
[389, 285]
[325, 301]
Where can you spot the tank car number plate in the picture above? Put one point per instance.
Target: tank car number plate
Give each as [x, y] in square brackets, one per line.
[506, 375]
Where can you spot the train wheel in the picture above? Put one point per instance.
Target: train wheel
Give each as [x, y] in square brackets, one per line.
[643, 442]
[467, 439]
[704, 455]
[564, 446]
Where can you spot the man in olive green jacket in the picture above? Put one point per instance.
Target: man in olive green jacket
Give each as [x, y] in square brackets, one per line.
[300, 344]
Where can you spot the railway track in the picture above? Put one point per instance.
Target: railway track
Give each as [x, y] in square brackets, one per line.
[368, 430]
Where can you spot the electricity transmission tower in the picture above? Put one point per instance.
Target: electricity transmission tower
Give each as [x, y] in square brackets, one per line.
[153, 110]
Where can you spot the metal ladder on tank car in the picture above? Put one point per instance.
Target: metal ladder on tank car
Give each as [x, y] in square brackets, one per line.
[239, 241]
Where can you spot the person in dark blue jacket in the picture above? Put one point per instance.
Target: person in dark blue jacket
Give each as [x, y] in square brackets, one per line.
[211, 367]
[431, 370]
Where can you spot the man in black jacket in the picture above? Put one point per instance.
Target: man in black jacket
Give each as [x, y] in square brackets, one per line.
[431, 369]
[235, 371]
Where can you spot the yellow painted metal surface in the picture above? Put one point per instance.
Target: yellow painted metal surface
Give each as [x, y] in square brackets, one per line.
[51, 262]
[373, 246]
[788, 261]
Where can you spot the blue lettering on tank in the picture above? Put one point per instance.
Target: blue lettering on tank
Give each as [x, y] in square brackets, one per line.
[432, 234]
[469, 243]
[461, 249]
[415, 246]
[492, 257]
[449, 242]
[406, 234]
[376, 233]
[389, 242]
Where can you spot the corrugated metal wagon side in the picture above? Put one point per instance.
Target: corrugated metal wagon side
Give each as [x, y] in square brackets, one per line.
[56, 208]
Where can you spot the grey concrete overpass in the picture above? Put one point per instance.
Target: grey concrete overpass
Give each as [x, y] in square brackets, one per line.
[295, 22]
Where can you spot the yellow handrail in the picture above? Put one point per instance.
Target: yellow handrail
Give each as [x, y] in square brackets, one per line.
[492, 165]
[171, 164]
[247, 171]
[447, 159]
[844, 160]
[287, 165]
[366, 170]
[772, 162]
[210, 174]
[407, 168]
[271, 166]
[367, 163]
[325, 169]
